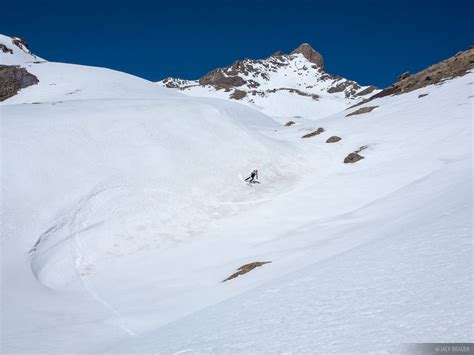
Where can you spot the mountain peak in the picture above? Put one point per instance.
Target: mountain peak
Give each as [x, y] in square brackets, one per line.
[309, 53]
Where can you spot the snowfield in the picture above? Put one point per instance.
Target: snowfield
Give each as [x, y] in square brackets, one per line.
[123, 209]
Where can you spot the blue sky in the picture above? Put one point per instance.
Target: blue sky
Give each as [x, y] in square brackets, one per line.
[368, 41]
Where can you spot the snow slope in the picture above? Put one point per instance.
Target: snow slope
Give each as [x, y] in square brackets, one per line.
[123, 209]
[365, 257]
[14, 51]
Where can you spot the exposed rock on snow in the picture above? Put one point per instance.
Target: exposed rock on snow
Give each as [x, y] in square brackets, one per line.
[13, 79]
[314, 133]
[219, 79]
[245, 269]
[289, 123]
[457, 65]
[354, 156]
[238, 94]
[309, 53]
[362, 110]
[5, 49]
[422, 95]
[366, 91]
[333, 139]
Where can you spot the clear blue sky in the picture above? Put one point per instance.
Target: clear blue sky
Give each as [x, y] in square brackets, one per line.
[368, 41]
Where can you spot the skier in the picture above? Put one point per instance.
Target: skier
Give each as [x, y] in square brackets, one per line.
[252, 179]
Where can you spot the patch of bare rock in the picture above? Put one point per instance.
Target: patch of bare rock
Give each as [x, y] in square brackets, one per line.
[333, 139]
[362, 110]
[452, 67]
[5, 49]
[290, 123]
[314, 133]
[246, 268]
[14, 78]
[354, 156]
[238, 94]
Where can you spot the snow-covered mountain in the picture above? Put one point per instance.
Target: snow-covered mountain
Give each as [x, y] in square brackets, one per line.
[282, 85]
[15, 50]
[124, 209]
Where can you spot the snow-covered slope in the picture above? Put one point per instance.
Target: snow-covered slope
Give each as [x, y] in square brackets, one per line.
[15, 51]
[283, 85]
[123, 209]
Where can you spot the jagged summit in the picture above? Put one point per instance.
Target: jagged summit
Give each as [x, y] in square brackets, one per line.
[280, 85]
[309, 53]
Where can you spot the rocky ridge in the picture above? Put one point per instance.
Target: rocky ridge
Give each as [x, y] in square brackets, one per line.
[301, 73]
[452, 67]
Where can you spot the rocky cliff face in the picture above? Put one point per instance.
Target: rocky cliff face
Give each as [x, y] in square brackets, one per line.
[297, 79]
[12, 79]
[309, 53]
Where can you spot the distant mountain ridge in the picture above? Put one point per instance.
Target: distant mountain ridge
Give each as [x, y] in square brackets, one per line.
[280, 85]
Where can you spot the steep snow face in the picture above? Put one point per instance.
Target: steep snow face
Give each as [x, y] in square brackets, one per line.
[15, 51]
[283, 85]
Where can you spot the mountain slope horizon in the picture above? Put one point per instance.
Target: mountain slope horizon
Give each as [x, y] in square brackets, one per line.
[297, 80]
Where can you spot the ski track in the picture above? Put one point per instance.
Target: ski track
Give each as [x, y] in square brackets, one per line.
[80, 261]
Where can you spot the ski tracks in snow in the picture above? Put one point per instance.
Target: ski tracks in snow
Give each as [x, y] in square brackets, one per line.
[81, 265]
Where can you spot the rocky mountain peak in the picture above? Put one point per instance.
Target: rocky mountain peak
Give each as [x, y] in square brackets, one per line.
[277, 53]
[275, 85]
[309, 53]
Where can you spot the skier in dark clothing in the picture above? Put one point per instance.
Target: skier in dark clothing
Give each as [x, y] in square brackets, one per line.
[253, 177]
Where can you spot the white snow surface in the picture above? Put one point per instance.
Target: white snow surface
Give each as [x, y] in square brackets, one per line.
[123, 209]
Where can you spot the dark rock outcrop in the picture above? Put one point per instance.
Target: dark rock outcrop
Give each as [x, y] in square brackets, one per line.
[333, 139]
[245, 269]
[217, 78]
[12, 79]
[5, 49]
[309, 53]
[452, 67]
[314, 133]
[290, 123]
[354, 156]
[403, 76]
[238, 94]
[362, 110]
[295, 91]
[366, 91]
[21, 43]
